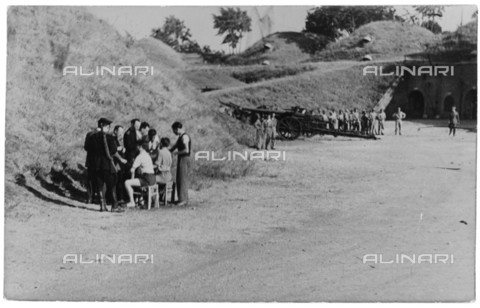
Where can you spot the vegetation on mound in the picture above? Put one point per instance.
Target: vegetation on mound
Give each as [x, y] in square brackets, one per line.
[159, 53]
[209, 79]
[322, 88]
[270, 72]
[460, 45]
[48, 114]
[286, 47]
[389, 39]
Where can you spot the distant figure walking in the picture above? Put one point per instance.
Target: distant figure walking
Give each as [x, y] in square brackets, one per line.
[398, 117]
[183, 147]
[454, 121]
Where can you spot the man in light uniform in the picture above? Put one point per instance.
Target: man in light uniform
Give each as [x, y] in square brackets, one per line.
[398, 117]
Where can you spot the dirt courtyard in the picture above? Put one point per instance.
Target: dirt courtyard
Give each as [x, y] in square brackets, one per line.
[296, 231]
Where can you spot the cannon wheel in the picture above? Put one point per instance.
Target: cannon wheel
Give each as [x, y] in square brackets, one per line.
[289, 128]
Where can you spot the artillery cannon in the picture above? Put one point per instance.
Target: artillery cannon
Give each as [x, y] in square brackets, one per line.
[293, 122]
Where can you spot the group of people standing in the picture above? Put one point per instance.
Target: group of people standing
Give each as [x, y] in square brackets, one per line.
[120, 161]
[266, 131]
[365, 122]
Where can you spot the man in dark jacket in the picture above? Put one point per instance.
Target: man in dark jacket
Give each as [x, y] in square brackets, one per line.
[90, 173]
[130, 139]
[103, 148]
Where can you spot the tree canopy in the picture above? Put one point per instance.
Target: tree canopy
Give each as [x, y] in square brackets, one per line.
[331, 20]
[233, 22]
[430, 12]
[175, 34]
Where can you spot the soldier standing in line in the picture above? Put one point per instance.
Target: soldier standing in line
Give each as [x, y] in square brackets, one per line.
[373, 121]
[269, 132]
[454, 121]
[325, 119]
[381, 121]
[333, 120]
[274, 131]
[258, 129]
[264, 132]
[341, 119]
[347, 120]
[356, 120]
[398, 117]
[365, 124]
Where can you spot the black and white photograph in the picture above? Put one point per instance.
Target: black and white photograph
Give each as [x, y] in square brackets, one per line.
[285, 153]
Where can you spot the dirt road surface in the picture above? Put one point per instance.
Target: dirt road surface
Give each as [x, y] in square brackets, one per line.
[296, 231]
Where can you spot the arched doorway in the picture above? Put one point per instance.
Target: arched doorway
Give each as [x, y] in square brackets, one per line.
[416, 105]
[448, 103]
[470, 104]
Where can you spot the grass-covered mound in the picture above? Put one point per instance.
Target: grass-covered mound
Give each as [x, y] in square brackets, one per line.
[388, 39]
[207, 79]
[332, 84]
[286, 47]
[48, 114]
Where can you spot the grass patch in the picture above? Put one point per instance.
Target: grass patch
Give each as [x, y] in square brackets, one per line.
[267, 72]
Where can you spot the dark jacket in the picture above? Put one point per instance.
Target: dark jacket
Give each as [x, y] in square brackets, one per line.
[97, 149]
[88, 161]
[130, 144]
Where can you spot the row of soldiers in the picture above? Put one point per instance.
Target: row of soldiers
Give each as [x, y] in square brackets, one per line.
[365, 122]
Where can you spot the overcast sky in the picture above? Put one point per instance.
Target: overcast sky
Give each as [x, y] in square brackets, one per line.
[139, 21]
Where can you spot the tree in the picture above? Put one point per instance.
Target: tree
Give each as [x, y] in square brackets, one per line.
[234, 22]
[330, 20]
[175, 34]
[430, 12]
[432, 26]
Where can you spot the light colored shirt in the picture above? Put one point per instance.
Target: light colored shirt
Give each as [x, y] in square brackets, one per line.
[153, 145]
[164, 161]
[399, 116]
[454, 117]
[381, 116]
[139, 134]
[144, 162]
